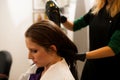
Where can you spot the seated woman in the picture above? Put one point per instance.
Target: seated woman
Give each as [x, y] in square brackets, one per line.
[52, 53]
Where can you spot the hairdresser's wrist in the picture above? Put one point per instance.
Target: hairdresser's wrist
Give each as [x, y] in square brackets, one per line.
[63, 19]
[80, 56]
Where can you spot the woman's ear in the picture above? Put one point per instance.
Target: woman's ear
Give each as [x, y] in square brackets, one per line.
[53, 48]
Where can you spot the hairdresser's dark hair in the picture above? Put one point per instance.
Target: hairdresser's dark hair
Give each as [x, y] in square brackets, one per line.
[47, 33]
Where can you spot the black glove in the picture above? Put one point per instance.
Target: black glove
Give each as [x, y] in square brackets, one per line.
[63, 19]
[80, 57]
[53, 12]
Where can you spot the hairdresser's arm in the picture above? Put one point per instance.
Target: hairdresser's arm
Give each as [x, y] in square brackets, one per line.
[68, 25]
[112, 49]
[77, 24]
[100, 53]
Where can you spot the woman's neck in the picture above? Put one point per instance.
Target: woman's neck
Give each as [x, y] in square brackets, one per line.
[55, 60]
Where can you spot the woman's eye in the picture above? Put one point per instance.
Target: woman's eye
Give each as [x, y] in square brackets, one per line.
[33, 51]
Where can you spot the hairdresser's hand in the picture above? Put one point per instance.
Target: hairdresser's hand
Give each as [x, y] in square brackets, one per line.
[81, 56]
[63, 19]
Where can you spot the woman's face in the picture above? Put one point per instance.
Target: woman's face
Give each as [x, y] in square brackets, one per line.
[38, 54]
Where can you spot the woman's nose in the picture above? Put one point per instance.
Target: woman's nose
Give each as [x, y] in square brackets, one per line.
[30, 56]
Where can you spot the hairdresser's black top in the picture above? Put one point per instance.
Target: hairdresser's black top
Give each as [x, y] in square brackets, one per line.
[104, 31]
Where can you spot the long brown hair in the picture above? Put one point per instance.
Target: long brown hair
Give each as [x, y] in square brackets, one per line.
[46, 33]
[112, 7]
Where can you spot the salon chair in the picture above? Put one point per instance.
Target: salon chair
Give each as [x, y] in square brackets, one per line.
[5, 64]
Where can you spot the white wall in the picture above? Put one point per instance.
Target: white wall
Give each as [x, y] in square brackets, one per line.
[15, 17]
